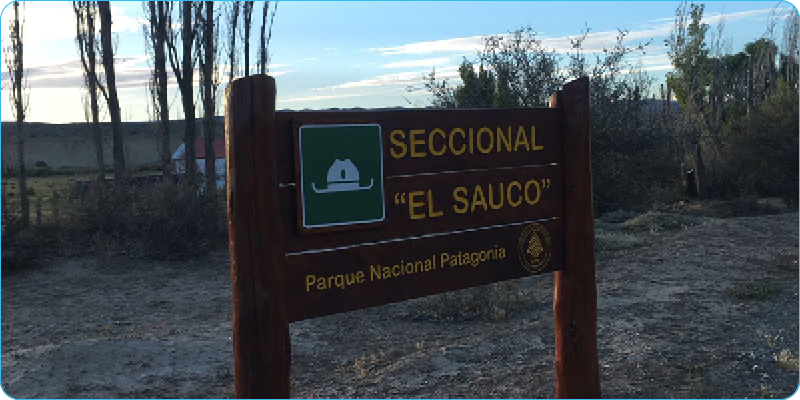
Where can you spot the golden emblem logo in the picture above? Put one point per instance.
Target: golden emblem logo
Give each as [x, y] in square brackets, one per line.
[534, 247]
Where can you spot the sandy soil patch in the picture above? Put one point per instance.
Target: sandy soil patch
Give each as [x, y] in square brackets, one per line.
[709, 310]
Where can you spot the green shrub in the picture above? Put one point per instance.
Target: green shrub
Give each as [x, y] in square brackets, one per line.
[760, 151]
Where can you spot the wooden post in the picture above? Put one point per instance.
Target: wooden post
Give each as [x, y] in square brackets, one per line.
[575, 293]
[260, 327]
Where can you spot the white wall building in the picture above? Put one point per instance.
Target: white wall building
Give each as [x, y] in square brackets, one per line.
[179, 159]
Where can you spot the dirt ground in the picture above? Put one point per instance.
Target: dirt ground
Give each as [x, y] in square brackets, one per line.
[704, 311]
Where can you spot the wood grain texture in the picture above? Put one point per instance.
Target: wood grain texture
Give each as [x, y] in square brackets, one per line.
[260, 328]
[575, 292]
[308, 301]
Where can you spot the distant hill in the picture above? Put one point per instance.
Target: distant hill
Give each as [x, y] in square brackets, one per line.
[72, 144]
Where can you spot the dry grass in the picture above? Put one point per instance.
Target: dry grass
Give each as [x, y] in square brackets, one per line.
[658, 222]
[787, 360]
[612, 241]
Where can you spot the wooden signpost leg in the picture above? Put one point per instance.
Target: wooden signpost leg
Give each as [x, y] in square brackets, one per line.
[575, 293]
[260, 327]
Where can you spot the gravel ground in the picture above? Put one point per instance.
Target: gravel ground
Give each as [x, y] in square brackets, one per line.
[705, 311]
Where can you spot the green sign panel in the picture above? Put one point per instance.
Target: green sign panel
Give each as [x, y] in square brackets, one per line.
[341, 175]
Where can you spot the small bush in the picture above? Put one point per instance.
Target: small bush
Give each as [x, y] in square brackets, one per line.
[23, 246]
[166, 222]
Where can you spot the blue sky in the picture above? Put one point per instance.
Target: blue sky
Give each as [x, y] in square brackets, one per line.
[360, 54]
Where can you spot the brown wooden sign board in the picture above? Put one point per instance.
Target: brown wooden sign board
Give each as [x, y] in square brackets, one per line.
[415, 203]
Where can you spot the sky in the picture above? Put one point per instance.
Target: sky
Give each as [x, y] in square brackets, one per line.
[358, 54]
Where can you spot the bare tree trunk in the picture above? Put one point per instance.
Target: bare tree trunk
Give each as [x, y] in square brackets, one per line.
[22, 178]
[233, 22]
[85, 12]
[13, 56]
[111, 87]
[262, 49]
[700, 173]
[209, 98]
[248, 14]
[158, 33]
[183, 68]
[187, 95]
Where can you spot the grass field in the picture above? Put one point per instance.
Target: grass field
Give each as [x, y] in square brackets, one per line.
[40, 190]
[43, 190]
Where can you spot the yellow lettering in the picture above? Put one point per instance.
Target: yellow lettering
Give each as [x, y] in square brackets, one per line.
[513, 203]
[430, 142]
[471, 142]
[310, 282]
[416, 142]
[360, 277]
[475, 199]
[533, 140]
[482, 149]
[375, 272]
[414, 204]
[538, 192]
[452, 146]
[431, 212]
[503, 140]
[399, 143]
[522, 139]
[498, 205]
[460, 199]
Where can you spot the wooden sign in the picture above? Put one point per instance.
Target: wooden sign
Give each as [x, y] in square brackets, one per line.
[337, 211]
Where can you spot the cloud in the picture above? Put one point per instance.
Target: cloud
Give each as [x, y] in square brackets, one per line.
[428, 62]
[401, 78]
[46, 21]
[594, 41]
[322, 97]
[465, 44]
[130, 72]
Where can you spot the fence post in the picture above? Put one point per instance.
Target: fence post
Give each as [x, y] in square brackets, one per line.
[575, 292]
[38, 211]
[260, 326]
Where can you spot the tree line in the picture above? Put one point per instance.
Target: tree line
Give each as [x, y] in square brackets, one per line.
[733, 133]
[180, 37]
